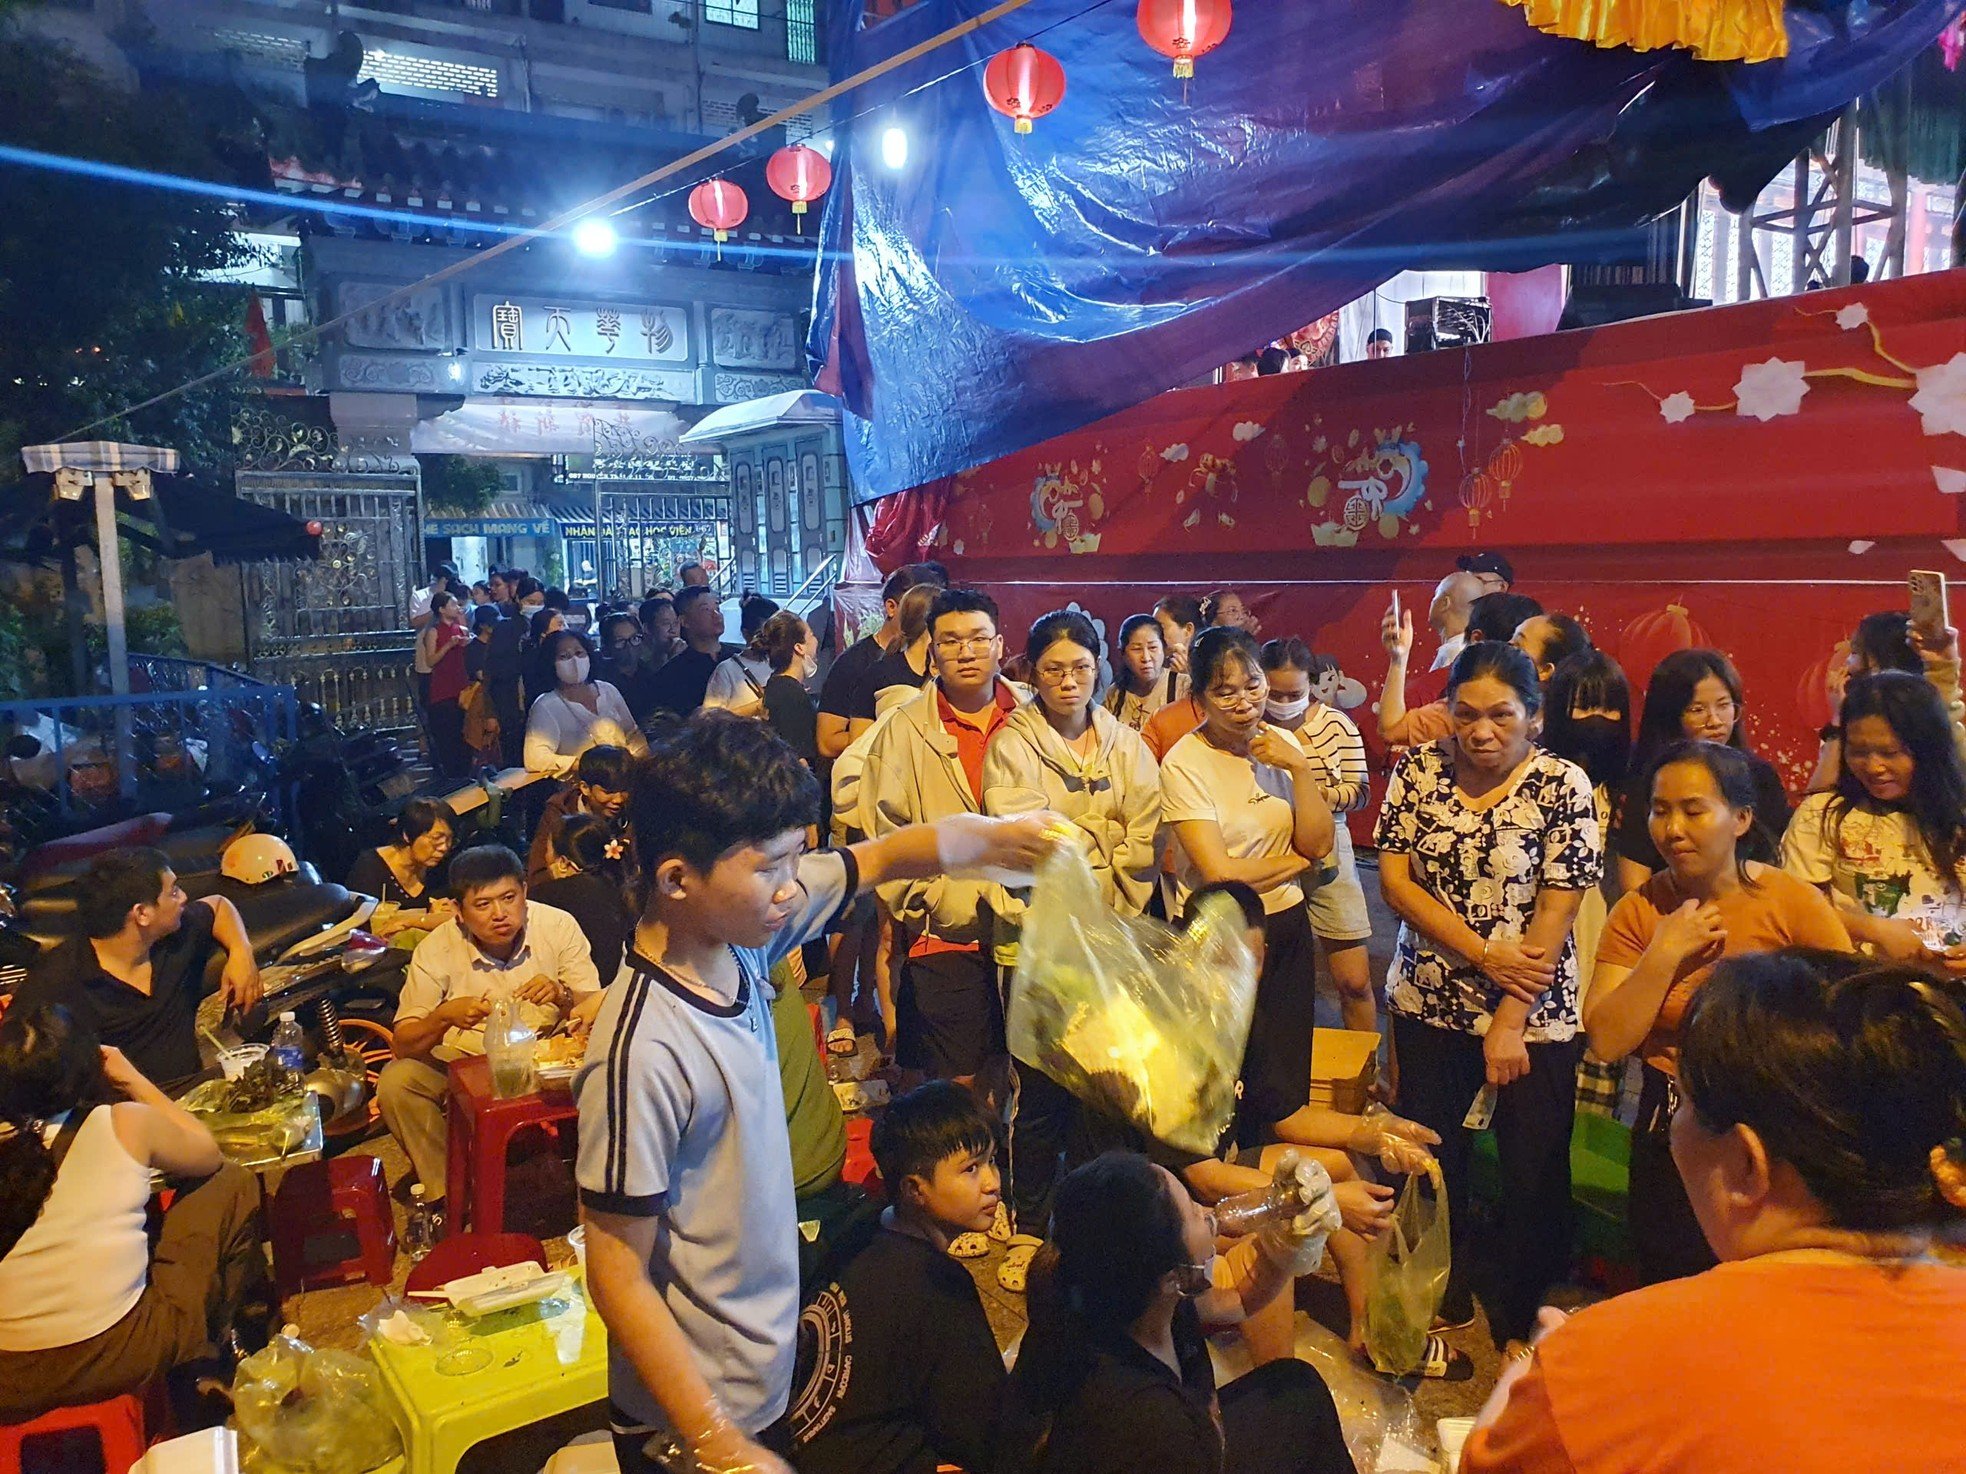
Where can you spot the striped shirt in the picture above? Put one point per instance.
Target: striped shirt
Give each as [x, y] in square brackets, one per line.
[1332, 740]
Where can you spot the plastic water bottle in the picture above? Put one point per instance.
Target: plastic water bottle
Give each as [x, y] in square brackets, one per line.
[420, 1233]
[1254, 1211]
[288, 1049]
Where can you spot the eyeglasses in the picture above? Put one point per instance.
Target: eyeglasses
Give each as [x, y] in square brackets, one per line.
[1723, 708]
[973, 645]
[1085, 670]
[631, 640]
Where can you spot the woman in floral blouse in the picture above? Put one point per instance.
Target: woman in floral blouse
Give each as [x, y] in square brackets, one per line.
[1486, 845]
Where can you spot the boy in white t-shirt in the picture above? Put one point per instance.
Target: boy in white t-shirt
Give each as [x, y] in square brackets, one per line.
[685, 1164]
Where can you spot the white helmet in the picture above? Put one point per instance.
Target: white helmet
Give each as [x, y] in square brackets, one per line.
[254, 859]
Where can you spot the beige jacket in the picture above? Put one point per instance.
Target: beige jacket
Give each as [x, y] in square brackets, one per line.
[913, 775]
[1113, 797]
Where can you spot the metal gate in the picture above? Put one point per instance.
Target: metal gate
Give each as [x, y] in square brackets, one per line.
[337, 630]
[644, 535]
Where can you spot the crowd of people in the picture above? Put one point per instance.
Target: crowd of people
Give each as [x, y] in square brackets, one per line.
[1587, 888]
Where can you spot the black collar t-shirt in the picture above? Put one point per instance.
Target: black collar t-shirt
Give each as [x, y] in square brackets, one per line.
[158, 1033]
[681, 685]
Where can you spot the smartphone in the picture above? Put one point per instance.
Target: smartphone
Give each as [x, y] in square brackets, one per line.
[1395, 606]
[1928, 602]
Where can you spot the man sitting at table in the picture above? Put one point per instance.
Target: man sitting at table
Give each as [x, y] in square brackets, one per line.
[136, 975]
[499, 945]
[600, 788]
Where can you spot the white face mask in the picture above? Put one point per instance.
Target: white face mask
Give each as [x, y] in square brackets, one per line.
[811, 667]
[572, 670]
[1286, 711]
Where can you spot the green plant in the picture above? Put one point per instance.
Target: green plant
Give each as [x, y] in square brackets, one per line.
[459, 483]
[14, 647]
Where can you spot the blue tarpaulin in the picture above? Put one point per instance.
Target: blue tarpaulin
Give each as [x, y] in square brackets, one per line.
[997, 290]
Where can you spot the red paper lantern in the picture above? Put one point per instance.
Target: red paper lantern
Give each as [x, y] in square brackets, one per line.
[720, 206]
[1650, 638]
[1024, 83]
[798, 174]
[1184, 29]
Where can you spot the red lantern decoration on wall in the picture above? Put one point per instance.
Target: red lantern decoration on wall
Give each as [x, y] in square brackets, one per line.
[720, 206]
[800, 175]
[1024, 83]
[1184, 29]
[1650, 638]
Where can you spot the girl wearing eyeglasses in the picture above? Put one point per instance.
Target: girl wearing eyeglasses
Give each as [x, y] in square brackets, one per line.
[1693, 696]
[1066, 753]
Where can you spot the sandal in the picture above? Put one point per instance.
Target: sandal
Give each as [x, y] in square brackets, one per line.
[843, 1041]
[1000, 1228]
[1442, 1363]
[969, 1246]
[1016, 1266]
[1442, 1323]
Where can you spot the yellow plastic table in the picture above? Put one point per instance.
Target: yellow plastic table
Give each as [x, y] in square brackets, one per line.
[486, 1377]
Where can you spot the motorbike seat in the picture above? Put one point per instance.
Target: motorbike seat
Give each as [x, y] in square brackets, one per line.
[290, 909]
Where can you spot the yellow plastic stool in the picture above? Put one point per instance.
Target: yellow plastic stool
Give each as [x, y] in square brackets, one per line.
[488, 1377]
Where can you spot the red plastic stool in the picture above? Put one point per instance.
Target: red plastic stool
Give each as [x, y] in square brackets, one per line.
[331, 1224]
[481, 1128]
[57, 1442]
[860, 1169]
[464, 1254]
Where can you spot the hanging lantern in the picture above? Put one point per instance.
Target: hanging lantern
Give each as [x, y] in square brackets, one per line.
[798, 174]
[1184, 29]
[719, 206]
[1477, 490]
[1024, 83]
[1505, 464]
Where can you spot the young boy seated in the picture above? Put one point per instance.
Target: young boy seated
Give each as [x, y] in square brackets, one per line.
[685, 1163]
[898, 1369]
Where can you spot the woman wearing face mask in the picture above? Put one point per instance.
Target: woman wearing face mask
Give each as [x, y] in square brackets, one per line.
[444, 639]
[1243, 802]
[1337, 902]
[1888, 845]
[1486, 846]
[1063, 753]
[1819, 1136]
[578, 713]
[1694, 696]
[792, 650]
[1146, 682]
[1114, 1374]
[542, 625]
[1660, 943]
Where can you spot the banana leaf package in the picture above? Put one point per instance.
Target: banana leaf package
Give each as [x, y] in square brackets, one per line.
[1138, 1020]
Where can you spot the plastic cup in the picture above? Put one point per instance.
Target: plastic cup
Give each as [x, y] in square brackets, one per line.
[577, 1241]
[240, 1058]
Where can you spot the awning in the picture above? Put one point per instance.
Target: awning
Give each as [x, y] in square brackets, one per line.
[507, 516]
[98, 455]
[795, 407]
[505, 426]
[185, 516]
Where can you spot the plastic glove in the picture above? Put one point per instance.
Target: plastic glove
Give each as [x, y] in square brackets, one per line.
[1007, 851]
[723, 1449]
[1298, 1242]
[1399, 1144]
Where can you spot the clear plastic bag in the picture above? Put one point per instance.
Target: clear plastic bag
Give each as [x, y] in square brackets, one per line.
[1409, 1268]
[511, 1042]
[312, 1412]
[1140, 1021]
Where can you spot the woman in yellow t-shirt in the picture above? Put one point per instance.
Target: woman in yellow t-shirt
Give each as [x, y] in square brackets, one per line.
[1661, 941]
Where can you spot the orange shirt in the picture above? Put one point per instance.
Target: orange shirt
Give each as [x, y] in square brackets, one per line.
[1170, 724]
[1760, 1366]
[1427, 723]
[1777, 911]
[973, 732]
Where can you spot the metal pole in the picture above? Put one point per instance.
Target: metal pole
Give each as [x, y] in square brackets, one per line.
[109, 556]
[1845, 166]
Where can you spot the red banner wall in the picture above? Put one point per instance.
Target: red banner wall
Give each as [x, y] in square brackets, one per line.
[1752, 477]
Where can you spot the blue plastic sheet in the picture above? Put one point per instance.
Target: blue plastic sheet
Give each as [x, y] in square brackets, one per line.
[998, 290]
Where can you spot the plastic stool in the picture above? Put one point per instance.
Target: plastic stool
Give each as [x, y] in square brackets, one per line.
[40, 1447]
[481, 1128]
[331, 1224]
[464, 1254]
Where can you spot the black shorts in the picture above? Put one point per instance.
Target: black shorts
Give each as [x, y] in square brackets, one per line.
[949, 1017]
